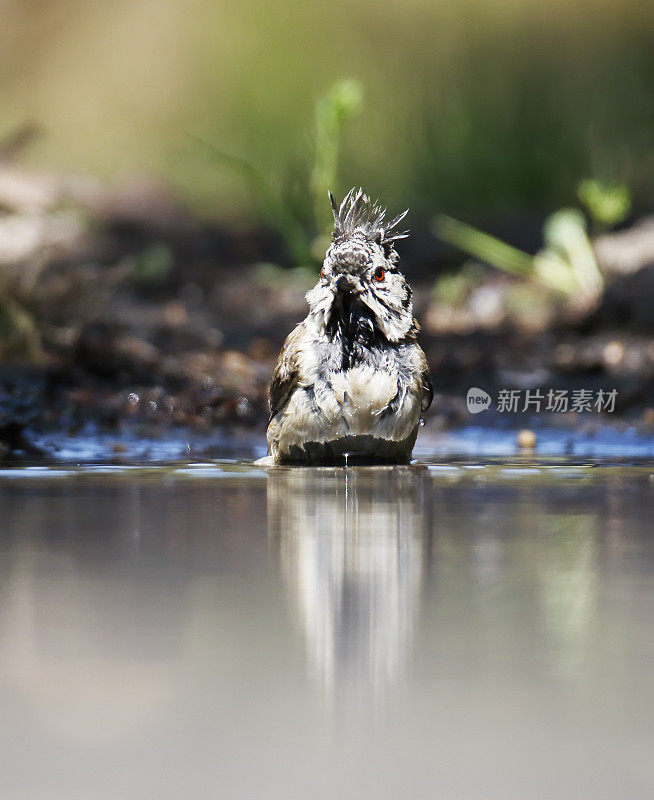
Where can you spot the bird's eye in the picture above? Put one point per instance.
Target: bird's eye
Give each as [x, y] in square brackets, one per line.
[322, 272]
[380, 274]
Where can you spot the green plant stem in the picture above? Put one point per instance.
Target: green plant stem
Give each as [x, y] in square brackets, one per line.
[280, 215]
[342, 101]
[483, 246]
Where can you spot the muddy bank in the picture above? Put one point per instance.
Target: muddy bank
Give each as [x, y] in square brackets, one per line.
[122, 312]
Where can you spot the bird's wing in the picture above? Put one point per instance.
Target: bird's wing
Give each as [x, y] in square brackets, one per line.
[425, 383]
[285, 375]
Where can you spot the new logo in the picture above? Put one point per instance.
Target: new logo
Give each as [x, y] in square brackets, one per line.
[477, 400]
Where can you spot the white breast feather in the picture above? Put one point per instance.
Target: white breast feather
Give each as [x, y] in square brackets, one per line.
[363, 393]
[351, 404]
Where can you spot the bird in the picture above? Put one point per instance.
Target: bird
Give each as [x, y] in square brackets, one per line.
[351, 383]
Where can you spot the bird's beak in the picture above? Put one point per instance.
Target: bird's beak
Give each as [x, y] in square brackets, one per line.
[345, 283]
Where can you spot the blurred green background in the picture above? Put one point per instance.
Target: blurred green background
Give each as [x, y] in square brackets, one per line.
[471, 106]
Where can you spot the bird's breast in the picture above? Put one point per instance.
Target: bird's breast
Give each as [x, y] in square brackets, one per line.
[362, 392]
[375, 402]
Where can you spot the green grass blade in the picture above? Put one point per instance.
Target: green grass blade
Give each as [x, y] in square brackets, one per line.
[277, 211]
[483, 246]
[334, 109]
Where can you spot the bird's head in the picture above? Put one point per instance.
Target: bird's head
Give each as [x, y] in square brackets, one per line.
[360, 283]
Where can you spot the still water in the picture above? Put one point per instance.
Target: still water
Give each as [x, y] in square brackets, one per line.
[220, 631]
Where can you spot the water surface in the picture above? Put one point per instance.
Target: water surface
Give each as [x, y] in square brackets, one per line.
[450, 630]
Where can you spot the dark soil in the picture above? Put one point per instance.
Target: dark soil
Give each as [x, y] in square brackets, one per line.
[155, 320]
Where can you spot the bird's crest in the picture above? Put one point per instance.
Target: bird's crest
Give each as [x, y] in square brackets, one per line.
[357, 213]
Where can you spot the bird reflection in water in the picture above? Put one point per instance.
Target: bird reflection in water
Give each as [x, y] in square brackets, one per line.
[351, 544]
